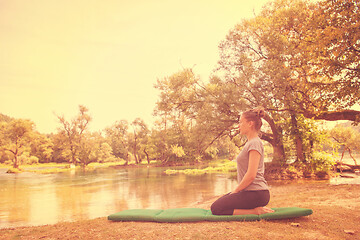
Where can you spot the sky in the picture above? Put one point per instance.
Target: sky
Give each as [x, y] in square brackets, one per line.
[106, 55]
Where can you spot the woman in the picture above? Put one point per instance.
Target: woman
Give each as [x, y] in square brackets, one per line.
[252, 194]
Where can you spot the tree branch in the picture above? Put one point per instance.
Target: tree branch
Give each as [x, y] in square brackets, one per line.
[351, 115]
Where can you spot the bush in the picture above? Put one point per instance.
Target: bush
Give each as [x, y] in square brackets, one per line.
[223, 167]
[26, 159]
[8, 162]
[111, 159]
[178, 151]
[322, 162]
[211, 153]
[33, 160]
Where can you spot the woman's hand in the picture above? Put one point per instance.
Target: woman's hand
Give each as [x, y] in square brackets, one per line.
[227, 194]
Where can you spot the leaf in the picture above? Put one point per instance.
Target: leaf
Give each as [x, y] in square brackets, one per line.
[351, 232]
[295, 224]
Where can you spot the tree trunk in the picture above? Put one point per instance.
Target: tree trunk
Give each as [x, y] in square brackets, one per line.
[298, 140]
[275, 140]
[127, 152]
[126, 159]
[73, 154]
[147, 156]
[16, 162]
[278, 154]
[135, 156]
[135, 148]
[351, 115]
[16, 152]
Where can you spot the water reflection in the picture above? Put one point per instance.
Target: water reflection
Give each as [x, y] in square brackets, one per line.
[32, 199]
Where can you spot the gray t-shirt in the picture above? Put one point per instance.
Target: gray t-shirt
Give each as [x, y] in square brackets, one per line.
[242, 160]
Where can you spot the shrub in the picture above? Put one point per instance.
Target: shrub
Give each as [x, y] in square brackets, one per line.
[33, 160]
[177, 150]
[322, 162]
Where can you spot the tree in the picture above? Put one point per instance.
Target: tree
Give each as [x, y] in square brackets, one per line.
[253, 60]
[42, 147]
[104, 154]
[74, 134]
[5, 118]
[274, 60]
[98, 148]
[60, 152]
[138, 138]
[88, 149]
[159, 140]
[194, 115]
[117, 136]
[333, 50]
[178, 108]
[15, 137]
[347, 139]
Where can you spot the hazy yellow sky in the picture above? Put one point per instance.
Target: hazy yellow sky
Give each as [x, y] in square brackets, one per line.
[106, 55]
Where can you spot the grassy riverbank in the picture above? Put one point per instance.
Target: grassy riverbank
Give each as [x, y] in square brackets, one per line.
[272, 172]
[49, 168]
[336, 216]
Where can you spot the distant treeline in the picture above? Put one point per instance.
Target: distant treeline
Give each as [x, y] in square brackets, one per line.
[298, 60]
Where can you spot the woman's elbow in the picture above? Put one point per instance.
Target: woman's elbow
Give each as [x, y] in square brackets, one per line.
[251, 177]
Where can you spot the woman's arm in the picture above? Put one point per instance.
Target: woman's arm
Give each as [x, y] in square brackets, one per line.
[254, 159]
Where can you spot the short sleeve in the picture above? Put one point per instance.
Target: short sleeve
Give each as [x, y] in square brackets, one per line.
[257, 146]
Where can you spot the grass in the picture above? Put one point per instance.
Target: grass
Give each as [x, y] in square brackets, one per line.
[221, 166]
[49, 168]
[45, 168]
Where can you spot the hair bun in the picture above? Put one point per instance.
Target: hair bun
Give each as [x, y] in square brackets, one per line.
[260, 112]
[255, 116]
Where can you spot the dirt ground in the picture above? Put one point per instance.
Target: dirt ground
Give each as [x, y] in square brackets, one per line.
[336, 216]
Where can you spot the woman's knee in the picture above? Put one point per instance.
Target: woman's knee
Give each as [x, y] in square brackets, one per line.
[218, 208]
[215, 209]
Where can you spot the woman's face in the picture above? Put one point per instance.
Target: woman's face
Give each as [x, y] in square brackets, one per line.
[245, 126]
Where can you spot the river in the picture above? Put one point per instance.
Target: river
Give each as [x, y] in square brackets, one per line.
[29, 199]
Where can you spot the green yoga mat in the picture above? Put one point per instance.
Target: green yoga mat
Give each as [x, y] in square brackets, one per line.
[199, 214]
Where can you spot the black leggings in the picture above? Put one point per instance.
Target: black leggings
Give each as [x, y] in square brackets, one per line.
[241, 200]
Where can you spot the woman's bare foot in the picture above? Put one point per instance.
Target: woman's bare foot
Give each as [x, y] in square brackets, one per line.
[263, 210]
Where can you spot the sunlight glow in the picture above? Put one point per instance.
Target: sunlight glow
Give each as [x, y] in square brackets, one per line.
[55, 55]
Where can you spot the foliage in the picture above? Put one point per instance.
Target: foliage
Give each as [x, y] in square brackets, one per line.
[105, 153]
[15, 138]
[288, 59]
[118, 138]
[138, 139]
[77, 147]
[334, 51]
[5, 118]
[225, 167]
[25, 158]
[178, 151]
[345, 139]
[322, 162]
[211, 152]
[297, 59]
[42, 147]
[192, 115]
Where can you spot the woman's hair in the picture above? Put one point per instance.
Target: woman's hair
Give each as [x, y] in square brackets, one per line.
[255, 115]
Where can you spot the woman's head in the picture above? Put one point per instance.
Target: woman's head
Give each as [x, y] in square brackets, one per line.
[251, 120]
